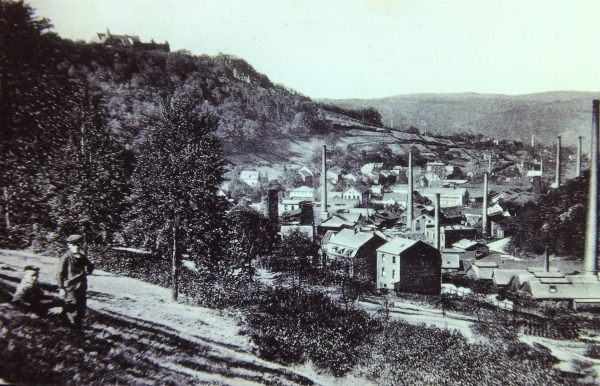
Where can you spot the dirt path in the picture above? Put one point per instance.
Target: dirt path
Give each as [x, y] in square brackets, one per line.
[429, 316]
[135, 327]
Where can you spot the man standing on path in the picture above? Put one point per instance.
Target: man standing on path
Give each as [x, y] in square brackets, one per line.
[73, 269]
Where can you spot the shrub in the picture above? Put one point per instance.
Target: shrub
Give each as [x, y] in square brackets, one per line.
[292, 325]
[593, 351]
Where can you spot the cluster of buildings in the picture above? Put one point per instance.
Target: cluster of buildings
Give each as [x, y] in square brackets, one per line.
[435, 230]
[399, 249]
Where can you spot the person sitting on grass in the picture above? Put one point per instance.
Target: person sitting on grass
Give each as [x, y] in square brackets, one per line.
[30, 295]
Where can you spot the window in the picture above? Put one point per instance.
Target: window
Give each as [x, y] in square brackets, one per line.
[383, 271]
[552, 289]
[394, 259]
[383, 257]
[393, 273]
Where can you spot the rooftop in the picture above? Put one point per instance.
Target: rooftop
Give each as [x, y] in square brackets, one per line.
[349, 238]
[397, 245]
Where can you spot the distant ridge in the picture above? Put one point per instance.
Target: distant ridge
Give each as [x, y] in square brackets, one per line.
[547, 114]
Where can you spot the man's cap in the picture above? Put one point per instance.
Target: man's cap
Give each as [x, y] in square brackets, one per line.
[75, 239]
[31, 268]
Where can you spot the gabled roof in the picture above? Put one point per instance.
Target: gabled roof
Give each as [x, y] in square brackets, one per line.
[240, 208]
[486, 273]
[349, 239]
[499, 245]
[397, 245]
[466, 244]
[326, 237]
[541, 290]
[359, 188]
[341, 219]
[452, 211]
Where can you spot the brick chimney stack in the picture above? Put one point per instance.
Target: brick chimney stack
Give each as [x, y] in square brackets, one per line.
[590, 260]
[409, 203]
[324, 213]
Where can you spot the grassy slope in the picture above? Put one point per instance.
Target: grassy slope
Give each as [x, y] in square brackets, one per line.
[132, 335]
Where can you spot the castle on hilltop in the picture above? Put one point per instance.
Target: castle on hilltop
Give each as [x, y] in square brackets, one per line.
[132, 41]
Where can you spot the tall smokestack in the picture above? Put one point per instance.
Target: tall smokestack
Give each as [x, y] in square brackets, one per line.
[590, 260]
[324, 213]
[557, 162]
[546, 260]
[532, 140]
[484, 218]
[490, 164]
[436, 237]
[578, 171]
[409, 204]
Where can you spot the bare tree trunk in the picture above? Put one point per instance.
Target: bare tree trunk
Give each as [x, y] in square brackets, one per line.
[6, 208]
[174, 284]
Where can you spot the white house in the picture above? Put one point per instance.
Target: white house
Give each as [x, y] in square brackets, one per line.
[356, 193]
[250, 177]
[448, 196]
[303, 193]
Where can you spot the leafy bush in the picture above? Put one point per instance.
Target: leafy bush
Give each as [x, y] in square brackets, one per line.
[593, 351]
[292, 325]
[405, 354]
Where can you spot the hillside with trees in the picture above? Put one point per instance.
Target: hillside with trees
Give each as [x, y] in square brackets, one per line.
[509, 117]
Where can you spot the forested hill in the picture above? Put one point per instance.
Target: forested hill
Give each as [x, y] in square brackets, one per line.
[500, 116]
[253, 112]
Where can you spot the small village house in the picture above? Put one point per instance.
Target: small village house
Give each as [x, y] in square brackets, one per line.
[352, 250]
[357, 192]
[304, 193]
[250, 177]
[409, 266]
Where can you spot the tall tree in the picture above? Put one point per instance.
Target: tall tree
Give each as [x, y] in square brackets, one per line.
[179, 171]
[89, 183]
[34, 100]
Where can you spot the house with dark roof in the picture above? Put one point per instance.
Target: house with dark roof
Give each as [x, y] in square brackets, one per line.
[128, 41]
[338, 221]
[457, 259]
[450, 234]
[480, 249]
[409, 266]
[353, 250]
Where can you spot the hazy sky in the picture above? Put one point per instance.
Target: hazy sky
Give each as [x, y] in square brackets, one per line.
[368, 49]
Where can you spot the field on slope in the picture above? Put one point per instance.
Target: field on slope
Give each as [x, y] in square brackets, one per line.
[132, 334]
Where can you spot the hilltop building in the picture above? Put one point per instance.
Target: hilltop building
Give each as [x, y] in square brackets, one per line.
[128, 41]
